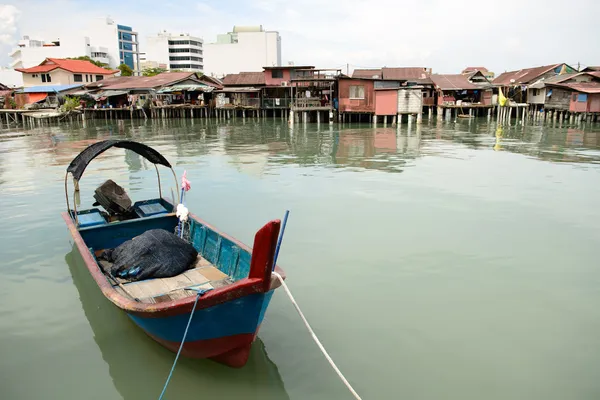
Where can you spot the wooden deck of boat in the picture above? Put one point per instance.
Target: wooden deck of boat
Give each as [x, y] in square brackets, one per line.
[202, 275]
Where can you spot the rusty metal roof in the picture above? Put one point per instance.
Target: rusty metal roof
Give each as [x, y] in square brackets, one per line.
[473, 69]
[552, 79]
[583, 87]
[367, 73]
[523, 76]
[405, 73]
[142, 82]
[244, 79]
[290, 67]
[457, 82]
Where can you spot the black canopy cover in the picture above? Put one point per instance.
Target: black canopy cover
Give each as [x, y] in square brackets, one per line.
[79, 163]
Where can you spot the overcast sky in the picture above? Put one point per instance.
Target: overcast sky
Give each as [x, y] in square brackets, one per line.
[446, 35]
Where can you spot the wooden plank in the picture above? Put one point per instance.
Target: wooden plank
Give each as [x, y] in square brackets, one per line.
[195, 276]
[148, 288]
[212, 273]
[177, 282]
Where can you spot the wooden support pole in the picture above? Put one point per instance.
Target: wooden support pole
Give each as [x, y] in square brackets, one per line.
[394, 120]
[318, 117]
[420, 117]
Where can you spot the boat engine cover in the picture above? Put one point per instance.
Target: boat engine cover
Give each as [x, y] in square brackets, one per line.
[113, 198]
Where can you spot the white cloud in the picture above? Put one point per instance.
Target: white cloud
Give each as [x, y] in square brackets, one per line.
[9, 16]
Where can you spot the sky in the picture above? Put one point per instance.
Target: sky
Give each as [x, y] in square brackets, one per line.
[445, 35]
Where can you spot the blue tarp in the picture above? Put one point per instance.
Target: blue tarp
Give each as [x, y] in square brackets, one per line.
[49, 88]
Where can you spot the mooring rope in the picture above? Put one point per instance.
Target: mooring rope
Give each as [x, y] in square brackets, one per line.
[200, 292]
[316, 339]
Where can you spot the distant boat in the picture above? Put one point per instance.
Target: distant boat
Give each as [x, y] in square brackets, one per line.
[465, 116]
[238, 279]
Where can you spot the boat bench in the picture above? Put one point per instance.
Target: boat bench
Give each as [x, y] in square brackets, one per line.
[202, 275]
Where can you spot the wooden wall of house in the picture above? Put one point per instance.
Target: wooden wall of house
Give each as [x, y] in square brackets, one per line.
[579, 102]
[355, 104]
[559, 100]
[594, 103]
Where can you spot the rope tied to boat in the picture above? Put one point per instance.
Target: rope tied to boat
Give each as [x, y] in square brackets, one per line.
[200, 292]
[297, 307]
[316, 339]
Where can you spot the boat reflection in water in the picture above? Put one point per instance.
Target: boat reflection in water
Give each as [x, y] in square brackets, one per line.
[139, 366]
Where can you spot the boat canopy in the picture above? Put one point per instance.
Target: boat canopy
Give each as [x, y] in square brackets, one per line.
[80, 163]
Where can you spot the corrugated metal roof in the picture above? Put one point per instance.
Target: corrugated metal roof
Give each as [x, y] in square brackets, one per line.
[290, 67]
[552, 79]
[523, 76]
[583, 87]
[244, 79]
[367, 73]
[49, 88]
[405, 73]
[238, 90]
[143, 82]
[456, 82]
[473, 69]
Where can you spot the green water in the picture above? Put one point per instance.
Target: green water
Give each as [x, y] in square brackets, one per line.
[442, 261]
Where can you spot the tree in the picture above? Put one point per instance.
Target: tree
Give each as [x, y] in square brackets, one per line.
[153, 71]
[125, 70]
[86, 58]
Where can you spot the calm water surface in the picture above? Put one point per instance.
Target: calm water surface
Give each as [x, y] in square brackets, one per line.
[445, 261]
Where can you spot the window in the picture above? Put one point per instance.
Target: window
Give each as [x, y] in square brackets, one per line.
[574, 97]
[535, 92]
[357, 92]
[86, 77]
[77, 78]
[184, 58]
[172, 42]
[276, 73]
[46, 78]
[43, 77]
[194, 43]
[99, 77]
[195, 51]
[582, 98]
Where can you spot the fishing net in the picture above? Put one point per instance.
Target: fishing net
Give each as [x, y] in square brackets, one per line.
[156, 253]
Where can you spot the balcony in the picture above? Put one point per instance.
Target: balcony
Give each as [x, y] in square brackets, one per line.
[244, 102]
[276, 103]
[315, 75]
[428, 101]
[308, 104]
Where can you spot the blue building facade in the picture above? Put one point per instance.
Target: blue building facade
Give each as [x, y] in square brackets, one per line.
[127, 38]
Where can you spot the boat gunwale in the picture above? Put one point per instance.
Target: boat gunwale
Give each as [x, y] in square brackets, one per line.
[238, 289]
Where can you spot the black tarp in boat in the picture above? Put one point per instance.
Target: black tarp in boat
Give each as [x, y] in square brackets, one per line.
[156, 253]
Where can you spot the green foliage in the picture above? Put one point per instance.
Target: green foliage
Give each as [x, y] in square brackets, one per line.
[86, 58]
[125, 70]
[12, 103]
[153, 71]
[70, 104]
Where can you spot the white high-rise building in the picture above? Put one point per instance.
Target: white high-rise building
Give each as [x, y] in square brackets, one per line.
[175, 52]
[246, 48]
[103, 41]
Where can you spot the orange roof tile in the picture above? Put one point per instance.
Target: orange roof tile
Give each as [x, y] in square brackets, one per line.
[75, 66]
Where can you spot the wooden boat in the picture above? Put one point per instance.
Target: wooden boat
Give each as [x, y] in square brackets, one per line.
[237, 278]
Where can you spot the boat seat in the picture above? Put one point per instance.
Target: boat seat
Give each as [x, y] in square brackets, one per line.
[202, 275]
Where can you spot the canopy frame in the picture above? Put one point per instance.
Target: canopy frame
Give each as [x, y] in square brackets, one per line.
[83, 159]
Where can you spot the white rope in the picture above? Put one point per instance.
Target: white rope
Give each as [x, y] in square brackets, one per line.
[315, 338]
